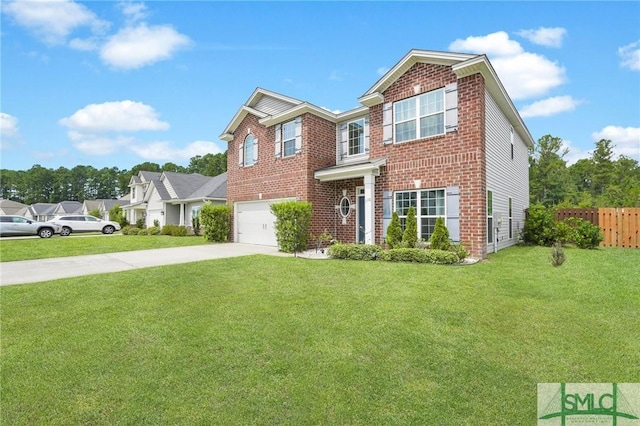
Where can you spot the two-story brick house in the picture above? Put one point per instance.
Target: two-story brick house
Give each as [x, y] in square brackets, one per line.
[438, 132]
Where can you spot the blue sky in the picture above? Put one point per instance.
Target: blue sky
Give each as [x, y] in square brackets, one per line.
[115, 84]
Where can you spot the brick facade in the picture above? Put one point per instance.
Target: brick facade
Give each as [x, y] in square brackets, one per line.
[457, 158]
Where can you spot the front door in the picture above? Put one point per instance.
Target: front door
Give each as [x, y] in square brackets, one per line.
[360, 215]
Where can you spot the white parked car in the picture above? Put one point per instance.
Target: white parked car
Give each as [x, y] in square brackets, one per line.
[84, 223]
[18, 225]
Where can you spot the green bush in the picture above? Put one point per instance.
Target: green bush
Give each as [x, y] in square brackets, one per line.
[116, 215]
[459, 250]
[140, 223]
[414, 255]
[174, 230]
[410, 235]
[587, 235]
[95, 213]
[153, 230]
[440, 237]
[539, 226]
[156, 223]
[354, 251]
[293, 219]
[216, 221]
[394, 231]
[144, 231]
[129, 230]
[564, 232]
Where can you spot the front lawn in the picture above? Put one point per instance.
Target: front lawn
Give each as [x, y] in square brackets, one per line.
[37, 248]
[275, 340]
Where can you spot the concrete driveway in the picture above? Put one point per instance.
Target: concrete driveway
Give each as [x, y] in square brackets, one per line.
[30, 271]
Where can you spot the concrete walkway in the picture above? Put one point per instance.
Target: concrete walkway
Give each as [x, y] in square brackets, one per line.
[30, 271]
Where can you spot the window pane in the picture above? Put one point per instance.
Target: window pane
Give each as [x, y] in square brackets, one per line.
[289, 130]
[289, 147]
[432, 125]
[405, 110]
[432, 203]
[405, 131]
[404, 200]
[427, 227]
[356, 137]
[431, 103]
[248, 150]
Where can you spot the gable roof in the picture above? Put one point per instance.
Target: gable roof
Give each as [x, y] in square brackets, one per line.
[188, 187]
[463, 65]
[41, 209]
[12, 207]
[69, 207]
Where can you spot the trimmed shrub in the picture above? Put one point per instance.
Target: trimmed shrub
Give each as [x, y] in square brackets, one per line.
[174, 230]
[394, 231]
[440, 237]
[216, 221]
[144, 231]
[156, 223]
[459, 250]
[410, 235]
[354, 251]
[129, 230]
[140, 223]
[587, 235]
[414, 255]
[564, 232]
[557, 256]
[293, 219]
[153, 230]
[539, 226]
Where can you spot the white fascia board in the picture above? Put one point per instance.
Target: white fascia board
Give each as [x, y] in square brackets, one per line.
[351, 171]
[237, 119]
[297, 111]
[481, 64]
[410, 59]
[371, 99]
[351, 114]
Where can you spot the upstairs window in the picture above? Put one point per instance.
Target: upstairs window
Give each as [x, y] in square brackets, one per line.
[248, 151]
[288, 138]
[356, 137]
[419, 117]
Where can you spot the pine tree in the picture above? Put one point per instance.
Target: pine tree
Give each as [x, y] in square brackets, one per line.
[410, 236]
[394, 231]
[440, 237]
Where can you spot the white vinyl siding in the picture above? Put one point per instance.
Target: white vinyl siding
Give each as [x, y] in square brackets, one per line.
[272, 106]
[506, 177]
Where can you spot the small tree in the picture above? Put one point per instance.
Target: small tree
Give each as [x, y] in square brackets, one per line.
[95, 213]
[440, 237]
[394, 231]
[116, 215]
[410, 236]
[293, 219]
[216, 221]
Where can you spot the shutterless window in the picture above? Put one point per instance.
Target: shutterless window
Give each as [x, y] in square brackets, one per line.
[419, 117]
[289, 139]
[489, 217]
[356, 137]
[510, 218]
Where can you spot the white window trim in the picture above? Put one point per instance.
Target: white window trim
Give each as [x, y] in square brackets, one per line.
[247, 152]
[490, 217]
[510, 207]
[419, 215]
[291, 140]
[417, 117]
[348, 154]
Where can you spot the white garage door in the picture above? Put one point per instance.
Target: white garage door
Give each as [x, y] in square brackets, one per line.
[255, 224]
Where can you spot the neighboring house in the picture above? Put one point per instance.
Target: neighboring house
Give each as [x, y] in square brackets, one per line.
[172, 198]
[12, 207]
[67, 207]
[437, 132]
[102, 205]
[41, 212]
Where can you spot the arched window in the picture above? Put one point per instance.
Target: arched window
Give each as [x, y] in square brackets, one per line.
[345, 206]
[248, 150]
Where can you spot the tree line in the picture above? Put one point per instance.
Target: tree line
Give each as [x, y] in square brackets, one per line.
[598, 181]
[42, 185]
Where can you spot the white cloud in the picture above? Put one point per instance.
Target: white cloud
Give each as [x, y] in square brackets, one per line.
[88, 44]
[8, 126]
[115, 116]
[550, 106]
[524, 75]
[549, 37]
[134, 12]
[53, 20]
[630, 56]
[575, 152]
[165, 151]
[625, 139]
[92, 144]
[136, 47]
[495, 44]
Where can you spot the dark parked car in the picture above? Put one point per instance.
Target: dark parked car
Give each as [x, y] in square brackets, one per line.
[18, 225]
[84, 223]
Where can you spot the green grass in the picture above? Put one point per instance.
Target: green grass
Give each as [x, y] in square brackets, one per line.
[271, 340]
[42, 248]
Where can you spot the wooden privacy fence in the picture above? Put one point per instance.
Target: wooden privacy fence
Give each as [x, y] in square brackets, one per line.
[621, 226]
